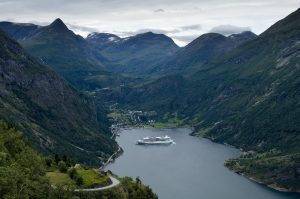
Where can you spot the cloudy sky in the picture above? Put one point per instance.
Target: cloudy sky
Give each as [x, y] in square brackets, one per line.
[183, 20]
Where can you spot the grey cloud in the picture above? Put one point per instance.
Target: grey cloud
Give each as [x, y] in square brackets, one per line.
[162, 31]
[229, 29]
[186, 38]
[173, 33]
[9, 19]
[171, 17]
[158, 31]
[40, 23]
[71, 26]
[159, 10]
[82, 28]
[192, 27]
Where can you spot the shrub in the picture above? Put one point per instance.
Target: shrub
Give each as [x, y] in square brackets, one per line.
[48, 161]
[72, 173]
[62, 166]
[79, 181]
[56, 159]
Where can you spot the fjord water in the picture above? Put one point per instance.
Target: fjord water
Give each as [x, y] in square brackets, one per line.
[192, 168]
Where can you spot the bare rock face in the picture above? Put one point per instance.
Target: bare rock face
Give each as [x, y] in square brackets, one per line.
[52, 115]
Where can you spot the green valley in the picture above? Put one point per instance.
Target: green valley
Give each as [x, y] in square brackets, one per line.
[64, 98]
[248, 97]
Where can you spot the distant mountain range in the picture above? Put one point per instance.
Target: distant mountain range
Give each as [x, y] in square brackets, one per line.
[201, 51]
[135, 55]
[90, 63]
[93, 62]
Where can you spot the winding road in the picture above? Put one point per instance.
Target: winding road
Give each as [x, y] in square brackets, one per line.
[115, 182]
[110, 158]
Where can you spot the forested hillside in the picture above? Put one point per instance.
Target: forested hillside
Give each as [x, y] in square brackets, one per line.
[23, 175]
[51, 114]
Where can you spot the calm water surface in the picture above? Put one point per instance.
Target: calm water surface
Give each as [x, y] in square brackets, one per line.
[190, 169]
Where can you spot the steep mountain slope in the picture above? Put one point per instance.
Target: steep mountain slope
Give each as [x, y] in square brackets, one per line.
[200, 51]
[249, 98]
[136, 54]
[256, 88]
[53, 116]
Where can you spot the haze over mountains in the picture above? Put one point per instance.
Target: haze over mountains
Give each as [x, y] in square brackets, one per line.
[242, 89]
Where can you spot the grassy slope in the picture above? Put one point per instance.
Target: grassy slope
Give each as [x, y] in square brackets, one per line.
[60, 179]
[91, 178]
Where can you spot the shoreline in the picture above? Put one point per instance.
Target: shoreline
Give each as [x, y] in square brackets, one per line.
[272, 186]
[112, 158]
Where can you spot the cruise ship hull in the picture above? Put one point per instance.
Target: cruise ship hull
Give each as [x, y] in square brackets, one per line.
[154, 143]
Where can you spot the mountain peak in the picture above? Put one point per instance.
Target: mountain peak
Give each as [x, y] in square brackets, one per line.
[58, 21]
[149, 35]
[212, 35]
[102, 39]
[102, 36]
[243, 35]
[248, 32]
[208, 37]
[58, 24]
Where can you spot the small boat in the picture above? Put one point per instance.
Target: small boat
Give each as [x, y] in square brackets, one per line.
[155, 141]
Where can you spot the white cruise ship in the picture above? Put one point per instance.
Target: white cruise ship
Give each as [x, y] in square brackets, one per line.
[155, 141]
